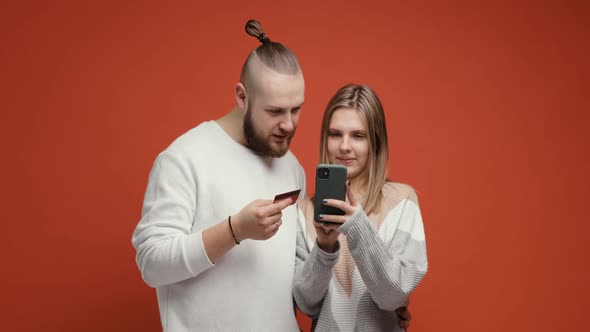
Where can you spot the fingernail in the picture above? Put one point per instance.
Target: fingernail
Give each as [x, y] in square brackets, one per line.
[321, 216]
[324, 201]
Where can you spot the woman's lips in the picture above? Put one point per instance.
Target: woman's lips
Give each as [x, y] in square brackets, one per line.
[345, 161]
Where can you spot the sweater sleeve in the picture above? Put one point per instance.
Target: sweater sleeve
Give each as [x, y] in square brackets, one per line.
[166, 250]
[313, 272]
[391, 269]
[302, 182]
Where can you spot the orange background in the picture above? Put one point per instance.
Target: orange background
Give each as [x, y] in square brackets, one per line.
[487, 106]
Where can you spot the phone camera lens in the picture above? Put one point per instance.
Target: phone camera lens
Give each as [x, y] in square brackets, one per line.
[323, 173]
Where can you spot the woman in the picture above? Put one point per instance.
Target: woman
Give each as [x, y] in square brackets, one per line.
[354, 275]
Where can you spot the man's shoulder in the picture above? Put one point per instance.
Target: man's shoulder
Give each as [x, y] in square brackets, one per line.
[184, 146]
[201, 134]
[195, 139]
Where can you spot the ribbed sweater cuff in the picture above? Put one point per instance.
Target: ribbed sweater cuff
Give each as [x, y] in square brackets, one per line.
[326, 259]
[355, 225]
[196, 257]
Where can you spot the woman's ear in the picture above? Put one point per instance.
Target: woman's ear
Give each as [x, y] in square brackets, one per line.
[241, 96]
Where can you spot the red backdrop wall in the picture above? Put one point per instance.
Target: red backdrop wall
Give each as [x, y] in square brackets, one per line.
[487, 106]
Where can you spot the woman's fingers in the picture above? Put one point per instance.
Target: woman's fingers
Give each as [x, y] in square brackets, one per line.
[327, 229]
[327, 218]
[350, 194]
[342, 205]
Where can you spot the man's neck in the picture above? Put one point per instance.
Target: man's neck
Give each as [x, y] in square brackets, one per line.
[233, 124]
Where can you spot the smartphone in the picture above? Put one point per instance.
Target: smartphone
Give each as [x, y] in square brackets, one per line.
[330, 182]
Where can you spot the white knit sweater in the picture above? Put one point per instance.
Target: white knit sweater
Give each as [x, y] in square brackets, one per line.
[198, 181]
[380, 261]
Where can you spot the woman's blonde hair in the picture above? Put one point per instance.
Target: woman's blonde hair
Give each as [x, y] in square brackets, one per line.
[363, 99]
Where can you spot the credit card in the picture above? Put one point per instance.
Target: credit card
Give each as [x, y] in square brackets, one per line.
[293, 194]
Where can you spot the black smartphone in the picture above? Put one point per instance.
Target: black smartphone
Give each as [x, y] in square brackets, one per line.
[330, 182]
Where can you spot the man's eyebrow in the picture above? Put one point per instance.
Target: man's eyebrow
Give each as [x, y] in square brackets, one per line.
[271, 107]
[297, 107]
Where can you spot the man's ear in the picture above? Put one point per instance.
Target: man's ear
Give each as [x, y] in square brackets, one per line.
[241, 97]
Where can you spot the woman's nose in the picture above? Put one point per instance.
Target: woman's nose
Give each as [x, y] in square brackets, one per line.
[344, 144]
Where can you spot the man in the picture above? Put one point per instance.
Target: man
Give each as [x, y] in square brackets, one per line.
[208, 201]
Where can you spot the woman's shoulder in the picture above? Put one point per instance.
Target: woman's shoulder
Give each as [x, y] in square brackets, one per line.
[400, 191]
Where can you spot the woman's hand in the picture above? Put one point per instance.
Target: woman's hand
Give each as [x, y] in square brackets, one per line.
[327, 228]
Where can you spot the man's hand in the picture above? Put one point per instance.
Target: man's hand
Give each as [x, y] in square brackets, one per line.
[259, 220]
[404, 317]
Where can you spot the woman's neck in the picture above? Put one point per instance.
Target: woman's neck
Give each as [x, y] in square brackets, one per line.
[359, 186]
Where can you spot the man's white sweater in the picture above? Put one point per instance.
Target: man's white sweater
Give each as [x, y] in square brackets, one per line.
[198, 181]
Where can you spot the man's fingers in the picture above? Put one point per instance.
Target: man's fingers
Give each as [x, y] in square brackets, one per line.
[286, 202]
[273, 228]
[262, 202]
[277, 207]
[276, 225]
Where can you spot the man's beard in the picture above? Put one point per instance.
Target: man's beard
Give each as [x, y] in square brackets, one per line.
[261, 145]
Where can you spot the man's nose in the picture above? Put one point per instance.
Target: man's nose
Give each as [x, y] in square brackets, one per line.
[286, 123]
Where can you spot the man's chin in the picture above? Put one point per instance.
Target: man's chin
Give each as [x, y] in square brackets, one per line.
[279, 150]
[279, 153]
